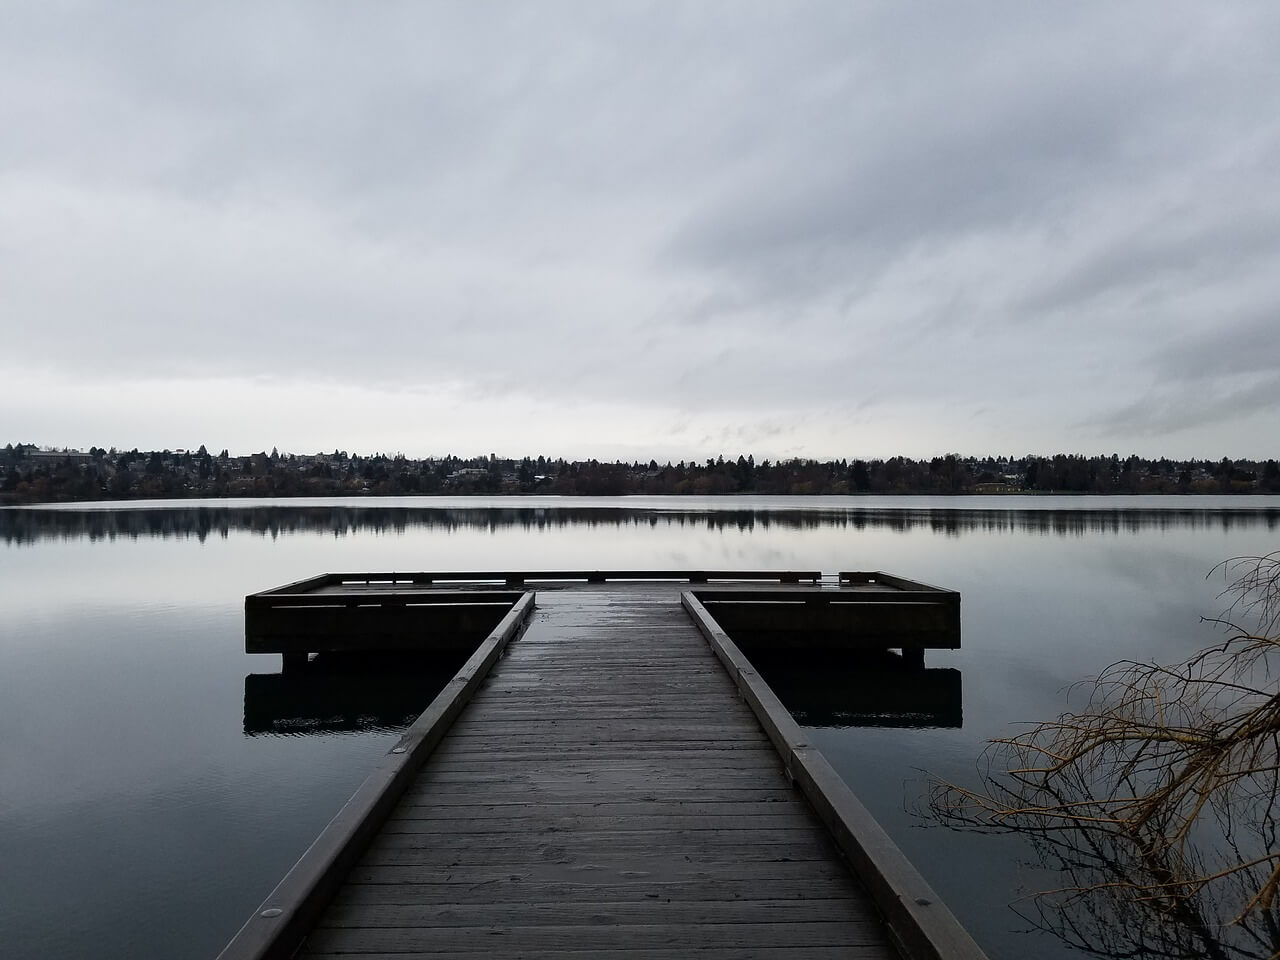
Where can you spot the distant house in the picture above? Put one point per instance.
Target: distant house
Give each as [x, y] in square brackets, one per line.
[995, 486]
[52, 458]
[466, 474]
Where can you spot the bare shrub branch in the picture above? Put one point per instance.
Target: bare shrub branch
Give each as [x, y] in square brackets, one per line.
[1160, 795]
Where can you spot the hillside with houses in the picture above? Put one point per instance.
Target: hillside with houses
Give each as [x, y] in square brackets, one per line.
[33, 474]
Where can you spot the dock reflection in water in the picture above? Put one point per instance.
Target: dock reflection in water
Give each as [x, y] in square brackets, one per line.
[862, 690]
[336, 693]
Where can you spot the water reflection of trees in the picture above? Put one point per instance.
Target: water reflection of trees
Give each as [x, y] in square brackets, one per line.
[1157, 803]
[21, 526]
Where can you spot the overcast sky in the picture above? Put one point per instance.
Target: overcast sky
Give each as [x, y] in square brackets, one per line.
[631, 230]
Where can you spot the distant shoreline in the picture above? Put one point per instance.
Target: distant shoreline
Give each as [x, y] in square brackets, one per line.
[749, 500]
[29, 475]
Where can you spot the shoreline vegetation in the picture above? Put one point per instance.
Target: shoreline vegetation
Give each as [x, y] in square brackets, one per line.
[33, 475]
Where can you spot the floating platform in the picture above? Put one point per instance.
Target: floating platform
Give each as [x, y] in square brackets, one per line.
[439, 612]
[607, 774]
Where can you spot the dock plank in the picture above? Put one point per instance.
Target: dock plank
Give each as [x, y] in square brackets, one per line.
[605, 870]
[586, 912]
[530, 893]
[515, 952]
[491, 940]
[535, 821]
[778, 806]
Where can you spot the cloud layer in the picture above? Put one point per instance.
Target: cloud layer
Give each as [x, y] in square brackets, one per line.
[826, 229]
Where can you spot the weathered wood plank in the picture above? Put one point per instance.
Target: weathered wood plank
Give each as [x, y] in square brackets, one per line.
[529, 698]
[591, 913]
[540, 823]
[613, 577]
[331, 596]
[625, 784]
[623, 744]
[481, 940]
[585, 838]
[515, 951]
[679, 710]
[463, 794]
[675, 757]
[605, 870]
[776, 807]
[585, 851]
[547, 679]
[586, 742]
[554, 690]
[647, 731]
[519, 890]
[620, 756]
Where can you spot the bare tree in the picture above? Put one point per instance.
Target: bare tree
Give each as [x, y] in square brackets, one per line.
[1157, 800]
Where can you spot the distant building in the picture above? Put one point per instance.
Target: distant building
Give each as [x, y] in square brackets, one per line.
[466, 473]
[994, 486]
[53, 458]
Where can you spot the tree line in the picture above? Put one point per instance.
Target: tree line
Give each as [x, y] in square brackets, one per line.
[29, 474]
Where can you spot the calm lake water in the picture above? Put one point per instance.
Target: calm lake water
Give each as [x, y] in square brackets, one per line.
[156, 782]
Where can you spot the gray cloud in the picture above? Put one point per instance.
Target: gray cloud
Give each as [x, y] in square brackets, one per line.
[798, 225]
[1166, 411]
[1235, 350]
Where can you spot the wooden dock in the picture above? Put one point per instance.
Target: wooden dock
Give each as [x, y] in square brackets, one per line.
[611, 788]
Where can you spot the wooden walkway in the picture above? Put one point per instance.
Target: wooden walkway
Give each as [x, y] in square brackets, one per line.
[605, 792]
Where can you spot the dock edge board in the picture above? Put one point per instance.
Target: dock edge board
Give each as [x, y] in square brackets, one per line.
[483, 579]
[280, 922]
[921, 925]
